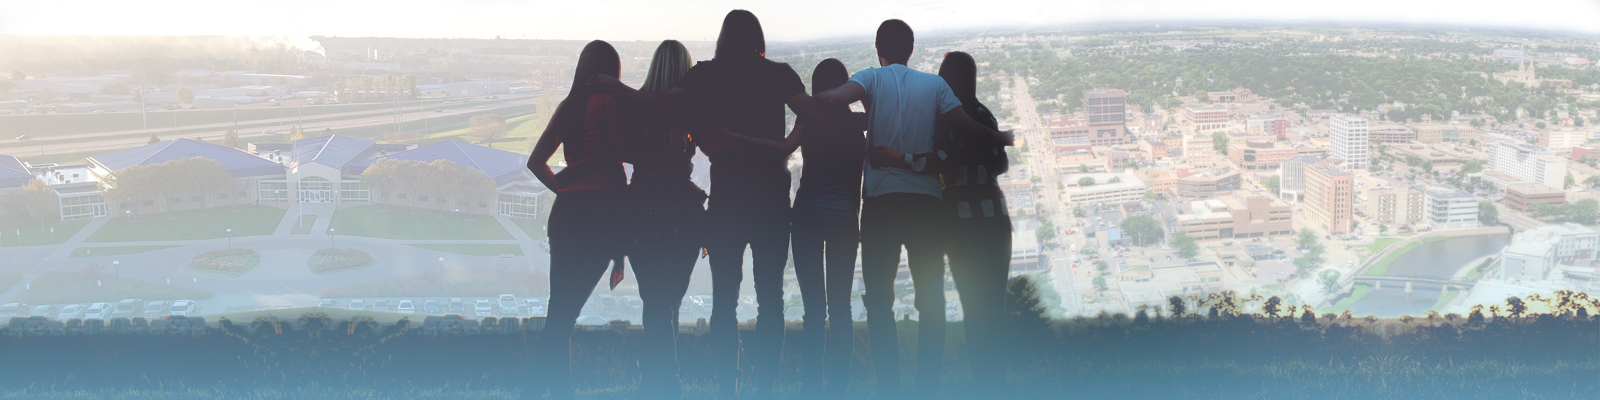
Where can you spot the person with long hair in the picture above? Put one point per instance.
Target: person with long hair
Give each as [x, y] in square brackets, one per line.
[827, 235]
[979, 241]
[584, 225]
[667, 217]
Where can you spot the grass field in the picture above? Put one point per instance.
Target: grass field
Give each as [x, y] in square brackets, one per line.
[58, 287]
[114, 250]
[397, 222]
[33, 234]
[534, 228]
[1446, 299]
[473, 249]
[1356, 294]
[206, 223]
[518, 130]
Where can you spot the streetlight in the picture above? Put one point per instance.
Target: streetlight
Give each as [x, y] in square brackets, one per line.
[330, 238]
[116, 268]
[230, 238]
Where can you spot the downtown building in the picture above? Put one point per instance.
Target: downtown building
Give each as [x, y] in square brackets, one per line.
[1237, 215]
[1535, 253]
[1106, 113]
[1522, 196]
[1446, 207]
[1515, 162]
[1329, 198]
[1348, 141]
[1267, 124]
[1204, 119]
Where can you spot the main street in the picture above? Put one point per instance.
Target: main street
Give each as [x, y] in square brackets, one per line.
[1032, 131]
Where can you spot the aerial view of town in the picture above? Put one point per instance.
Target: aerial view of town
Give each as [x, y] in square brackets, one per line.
[1391, 171]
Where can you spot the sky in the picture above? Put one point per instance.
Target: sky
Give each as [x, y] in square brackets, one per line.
[783, 20]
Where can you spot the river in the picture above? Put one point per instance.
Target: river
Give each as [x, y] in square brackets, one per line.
[1437, 260]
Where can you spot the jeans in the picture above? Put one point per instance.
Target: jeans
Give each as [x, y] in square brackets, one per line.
[766, 232]
[980, 261]
[662, 270]
[825, 246]
[917, 222]
[584, 237]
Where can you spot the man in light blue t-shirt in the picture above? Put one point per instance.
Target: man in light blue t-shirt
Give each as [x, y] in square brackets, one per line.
[901, 203]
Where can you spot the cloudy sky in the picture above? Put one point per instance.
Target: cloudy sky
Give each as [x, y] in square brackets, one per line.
[785, 20]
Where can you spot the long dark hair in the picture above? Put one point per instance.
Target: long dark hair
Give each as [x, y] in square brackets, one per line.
[741, 37]
[598, 57]
[961, 73]
[829, 74]
[667, 68]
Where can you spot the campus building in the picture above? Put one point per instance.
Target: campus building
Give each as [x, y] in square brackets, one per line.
[245, 173]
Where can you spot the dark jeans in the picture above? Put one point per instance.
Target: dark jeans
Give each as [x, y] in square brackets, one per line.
[662, 269]
[917, 222]
[766, 232]
[980, 260]
[584, 236]
[825, 262]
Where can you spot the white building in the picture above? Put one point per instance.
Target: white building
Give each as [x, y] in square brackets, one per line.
[1528, 163]
[1446, 207]
[1562, 140]
[1348, 141]
[1534, 253]
[1131, 190]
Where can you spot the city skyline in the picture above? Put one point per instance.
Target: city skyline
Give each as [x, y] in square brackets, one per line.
[632, 20]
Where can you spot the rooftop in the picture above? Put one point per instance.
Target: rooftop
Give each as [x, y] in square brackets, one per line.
[237, 162]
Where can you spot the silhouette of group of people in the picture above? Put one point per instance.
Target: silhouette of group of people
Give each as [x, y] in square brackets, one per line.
[917, 170]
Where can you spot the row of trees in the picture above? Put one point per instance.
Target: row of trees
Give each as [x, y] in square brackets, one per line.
[1582, 211]
[442, 179]
[166, 181]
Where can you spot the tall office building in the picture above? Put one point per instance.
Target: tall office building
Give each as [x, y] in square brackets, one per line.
[1106, 110]
[1330, 198]
[1348, 141]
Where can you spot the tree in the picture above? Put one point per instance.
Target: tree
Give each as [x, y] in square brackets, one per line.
[1142, 228]
[1471, 167]
[185, 95]
[297, 135]
[1383, 228]
[1115, 179]
[1329, 280]
[1542, 210]
[1084, 168]
[1044, 232]
[1086, 181]
[1306, 238]
[1202, 95]
[231, 139]
[153, 139]
[1272, 184]
[1219, 142]
[1185, 245]
[1568, 181]
[1584, 211]
[1078, 211]
[1100, 283]
[1101, 266]
[486, 127]
[1427, 166]
[1592, 181]
[1539, 125]
[40, 200]
[380, 178]
[1487, 213]
[1133, 164]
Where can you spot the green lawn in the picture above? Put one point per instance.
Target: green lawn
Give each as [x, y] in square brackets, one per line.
[475, 249]
[114, 250]
[518, 130]
[1446, 299]
[57, 287]
[206, 223]
[32, 234]
[534, 228]
[397, 222]
[1356, 294]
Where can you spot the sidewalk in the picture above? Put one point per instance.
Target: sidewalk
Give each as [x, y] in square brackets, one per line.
[59, 254]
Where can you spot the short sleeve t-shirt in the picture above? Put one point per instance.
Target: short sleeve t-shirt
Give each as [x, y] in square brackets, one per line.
[748, 97]
[903, 105]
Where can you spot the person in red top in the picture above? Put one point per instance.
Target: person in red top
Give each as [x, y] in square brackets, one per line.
[586, 223]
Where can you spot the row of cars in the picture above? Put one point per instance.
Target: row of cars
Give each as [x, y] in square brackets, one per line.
[505, 305]
[126, 308]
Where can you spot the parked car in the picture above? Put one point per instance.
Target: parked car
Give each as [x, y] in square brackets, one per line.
[534, 307]
[155, 308]
[380, 305]
[634, 303]
[328, 303]
[13, 310]
[127, 308]
[71, 311]
[406, 307]
[609, 304]
[703, 302]
[43, 311]
[269, 132]
[99, 310]
[358, 304]
[482, 308]
[181, 308]
[686, 307]
[430, 307]
[508, 304]
[456, 306]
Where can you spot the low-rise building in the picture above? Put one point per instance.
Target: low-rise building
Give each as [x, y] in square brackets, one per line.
[1562, 140]
[1258, 154]
[1106, 193]
[1522, 196]
[1206, 185]
[1534, 253]
[1391, 133]
[1267, 124]
[1153, 284]
[1206, 118]
[1436, 154]
[1446, 207]
[1236, 215]
[1160, 179]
